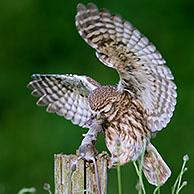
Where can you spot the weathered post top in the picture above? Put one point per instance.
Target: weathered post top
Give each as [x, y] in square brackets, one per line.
[82, 179]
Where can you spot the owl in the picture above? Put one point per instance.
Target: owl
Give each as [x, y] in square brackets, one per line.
[129, 112]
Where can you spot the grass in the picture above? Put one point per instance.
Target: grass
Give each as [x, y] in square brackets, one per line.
[179, 184]
[46, 187]
[119, 180]
[138, 168]
[176, 188]
[27, 190]
[140, 185]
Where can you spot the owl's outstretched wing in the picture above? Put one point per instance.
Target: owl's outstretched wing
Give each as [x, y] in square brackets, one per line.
[141, 68]
[66, 95]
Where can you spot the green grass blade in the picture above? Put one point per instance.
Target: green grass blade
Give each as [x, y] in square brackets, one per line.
[177, 187]
[157, 190]
[138, 169]
[119, 180]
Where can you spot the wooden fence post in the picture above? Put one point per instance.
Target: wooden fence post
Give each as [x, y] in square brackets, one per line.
[81, 180]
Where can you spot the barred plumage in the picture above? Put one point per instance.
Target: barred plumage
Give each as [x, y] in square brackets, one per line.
[141, 103]
[65, 95]
[141, 67]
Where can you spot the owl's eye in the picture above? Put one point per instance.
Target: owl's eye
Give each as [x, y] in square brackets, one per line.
[107, 108]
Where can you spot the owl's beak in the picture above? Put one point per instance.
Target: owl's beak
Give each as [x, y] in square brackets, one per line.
[98, 116]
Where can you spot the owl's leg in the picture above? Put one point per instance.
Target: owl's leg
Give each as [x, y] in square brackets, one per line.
[87, 150]
[154, 167]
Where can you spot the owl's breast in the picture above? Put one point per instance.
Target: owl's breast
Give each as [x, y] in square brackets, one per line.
[126, 131]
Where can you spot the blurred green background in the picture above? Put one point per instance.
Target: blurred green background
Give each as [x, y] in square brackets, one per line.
[38, 36]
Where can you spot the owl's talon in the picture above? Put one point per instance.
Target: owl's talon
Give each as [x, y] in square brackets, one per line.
[87, 152]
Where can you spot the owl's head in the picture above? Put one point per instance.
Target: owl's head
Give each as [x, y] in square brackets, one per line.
[102, 98]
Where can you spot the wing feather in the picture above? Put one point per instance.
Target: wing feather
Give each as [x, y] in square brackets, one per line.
[141, 67]
[65, 95]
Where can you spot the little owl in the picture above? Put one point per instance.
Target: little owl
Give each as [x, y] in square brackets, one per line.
[129, 112]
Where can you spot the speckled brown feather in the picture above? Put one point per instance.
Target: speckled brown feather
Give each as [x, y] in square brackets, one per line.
[125, 123]
[65, 95]
[154, 167]
[141, 67]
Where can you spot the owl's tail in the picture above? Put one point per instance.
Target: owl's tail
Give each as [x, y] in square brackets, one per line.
[154, 167]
